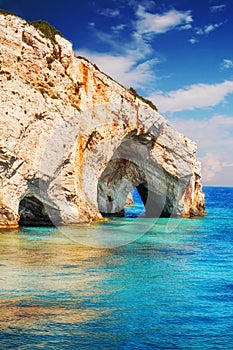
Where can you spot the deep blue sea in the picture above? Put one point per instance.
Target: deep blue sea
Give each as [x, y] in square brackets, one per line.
[163, 284]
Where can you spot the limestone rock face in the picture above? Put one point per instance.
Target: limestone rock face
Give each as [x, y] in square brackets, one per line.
[75, 143]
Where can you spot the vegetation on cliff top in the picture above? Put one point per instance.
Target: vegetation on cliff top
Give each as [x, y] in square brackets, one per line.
[131, 90]
[145, 100]
[46, 29]
[50, 32]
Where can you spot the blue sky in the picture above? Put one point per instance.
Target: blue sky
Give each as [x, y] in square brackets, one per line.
[178, 53]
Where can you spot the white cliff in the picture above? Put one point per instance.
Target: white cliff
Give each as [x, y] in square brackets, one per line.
[78, 142]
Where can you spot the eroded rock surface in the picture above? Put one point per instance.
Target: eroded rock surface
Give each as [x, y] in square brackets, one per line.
[78, 142]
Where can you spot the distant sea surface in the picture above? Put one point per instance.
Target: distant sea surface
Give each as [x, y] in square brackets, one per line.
[170, 288]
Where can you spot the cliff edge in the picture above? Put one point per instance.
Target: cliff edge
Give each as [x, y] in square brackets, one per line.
[74, 142]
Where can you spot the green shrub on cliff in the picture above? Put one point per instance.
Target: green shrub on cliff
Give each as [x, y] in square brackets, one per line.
[46, 29]
[145, 100]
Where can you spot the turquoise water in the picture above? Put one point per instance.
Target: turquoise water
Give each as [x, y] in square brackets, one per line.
[171, 288]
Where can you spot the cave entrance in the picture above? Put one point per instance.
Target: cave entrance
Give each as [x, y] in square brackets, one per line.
[118, 193]
[132, 208]
[132, 168]
[148, 204]
[32, 212]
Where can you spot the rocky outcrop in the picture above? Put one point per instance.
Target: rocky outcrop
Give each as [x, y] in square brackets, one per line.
[74, 142]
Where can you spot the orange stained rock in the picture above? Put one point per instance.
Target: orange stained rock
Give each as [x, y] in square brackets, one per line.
[101, 93]
[188, 194]
[85, 70]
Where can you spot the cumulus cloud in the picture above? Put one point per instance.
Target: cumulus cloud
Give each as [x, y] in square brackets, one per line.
[192, 97]
[226, 64]
[149, 23]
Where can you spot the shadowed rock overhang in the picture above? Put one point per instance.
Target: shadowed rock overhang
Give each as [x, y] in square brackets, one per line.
[74, 143]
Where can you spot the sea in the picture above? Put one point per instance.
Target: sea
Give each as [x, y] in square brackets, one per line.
[128, 283]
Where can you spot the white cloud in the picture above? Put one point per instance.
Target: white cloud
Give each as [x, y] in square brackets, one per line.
[138, 48]
[136, 45]
[217, 8]
[208, 28]
[185, 27]
[211, 166]
[226, 64]
[193, 40]
[214, 137]
[110, 12]
[210, 133]
[118, 28]
[216, 172]
[192, 97]
[149, 23]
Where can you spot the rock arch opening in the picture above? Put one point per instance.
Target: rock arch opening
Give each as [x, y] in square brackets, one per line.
[132, 167]
[134, 206]
[33, 212]
[115, 184]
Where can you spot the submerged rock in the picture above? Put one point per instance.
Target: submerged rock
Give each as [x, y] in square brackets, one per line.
[74, 142]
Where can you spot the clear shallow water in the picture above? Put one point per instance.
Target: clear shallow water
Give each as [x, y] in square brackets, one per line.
[172, 288]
